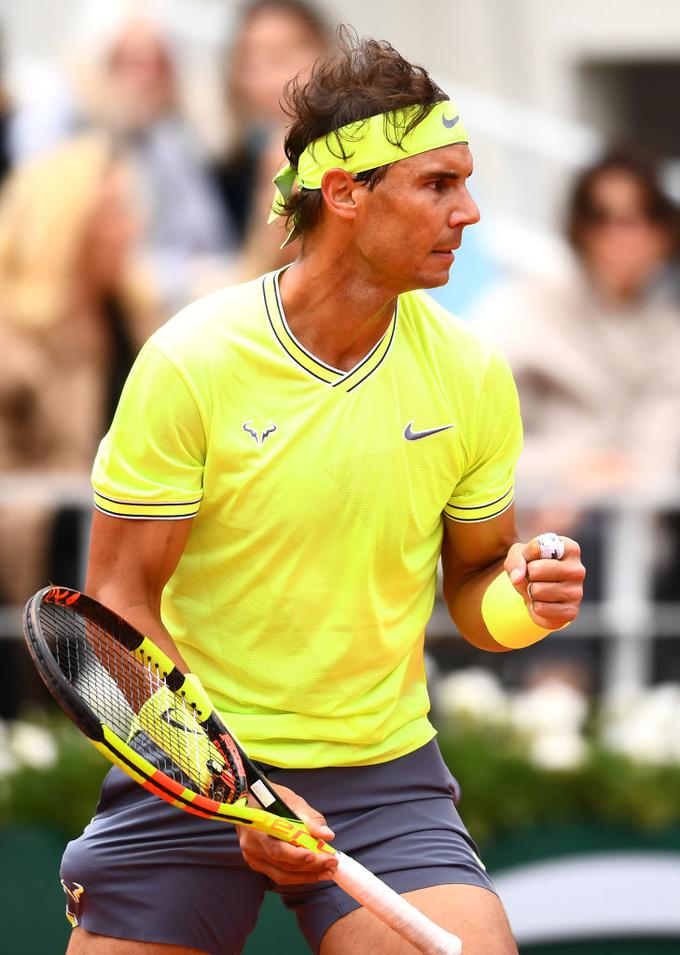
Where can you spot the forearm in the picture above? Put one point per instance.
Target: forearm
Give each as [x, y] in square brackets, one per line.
[514, 603]
[140, 610]
[129, 566]
[465, 605]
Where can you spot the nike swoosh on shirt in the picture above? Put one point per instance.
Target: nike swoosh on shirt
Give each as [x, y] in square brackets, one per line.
[412, 435]
[450, 123]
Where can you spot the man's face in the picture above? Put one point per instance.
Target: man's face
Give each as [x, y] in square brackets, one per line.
[410, 223]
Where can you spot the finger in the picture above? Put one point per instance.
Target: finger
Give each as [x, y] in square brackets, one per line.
[316, 823]
[548, 571]
[257, 846]
[284, 877]
[515, 565]
[313, 819]
[553, 592]
[547, 546]
[533, 551]
[262, 862]
[553, 615]
[309, 870]
[569, 569]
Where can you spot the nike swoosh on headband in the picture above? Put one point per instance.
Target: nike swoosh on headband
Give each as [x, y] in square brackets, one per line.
[450, 123]
[412, 435]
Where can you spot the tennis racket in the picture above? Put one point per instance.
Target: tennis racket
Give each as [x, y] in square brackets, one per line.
[157, 724]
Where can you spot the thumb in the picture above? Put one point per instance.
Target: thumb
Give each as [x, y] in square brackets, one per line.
[312, 818]
[315, 822]
[516, 566]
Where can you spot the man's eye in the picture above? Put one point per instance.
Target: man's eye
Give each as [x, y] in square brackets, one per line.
[438, 185]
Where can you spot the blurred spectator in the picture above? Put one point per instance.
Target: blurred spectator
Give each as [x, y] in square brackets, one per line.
[122, 77]
[596, 357]
[5, 119]
[72, 315]
[275, 40]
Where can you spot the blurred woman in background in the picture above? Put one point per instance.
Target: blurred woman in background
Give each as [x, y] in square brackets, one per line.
[73, 312]
[274, 41]
[596, 357]
[122, 77]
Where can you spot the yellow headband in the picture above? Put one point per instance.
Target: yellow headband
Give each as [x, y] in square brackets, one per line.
[367, 144]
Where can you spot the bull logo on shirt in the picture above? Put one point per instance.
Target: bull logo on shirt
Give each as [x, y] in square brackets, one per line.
[73, 891]
[259, 433]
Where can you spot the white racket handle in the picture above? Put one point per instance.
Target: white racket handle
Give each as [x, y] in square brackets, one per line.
[424, 934]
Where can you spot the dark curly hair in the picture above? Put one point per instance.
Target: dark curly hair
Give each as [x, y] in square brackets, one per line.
[362, 78]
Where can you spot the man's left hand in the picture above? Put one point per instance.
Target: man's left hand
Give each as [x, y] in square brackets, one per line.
[552, 589]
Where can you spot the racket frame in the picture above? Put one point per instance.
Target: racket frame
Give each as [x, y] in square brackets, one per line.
[274, 818]
[386, 904]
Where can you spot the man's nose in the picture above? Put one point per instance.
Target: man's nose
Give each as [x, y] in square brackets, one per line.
[465, 213]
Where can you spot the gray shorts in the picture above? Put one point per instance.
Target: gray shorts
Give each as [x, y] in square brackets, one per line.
[145, 870]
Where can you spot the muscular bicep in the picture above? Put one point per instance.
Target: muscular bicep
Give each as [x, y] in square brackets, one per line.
[472, 555]
[470, 547]
[132, 560]
[148, 485]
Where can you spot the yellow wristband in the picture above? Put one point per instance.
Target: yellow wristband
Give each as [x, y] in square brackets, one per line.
[506, 616]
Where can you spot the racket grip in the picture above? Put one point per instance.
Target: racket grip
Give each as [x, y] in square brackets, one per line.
[387, 905]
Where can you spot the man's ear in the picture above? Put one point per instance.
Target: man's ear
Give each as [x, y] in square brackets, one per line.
[338, 189]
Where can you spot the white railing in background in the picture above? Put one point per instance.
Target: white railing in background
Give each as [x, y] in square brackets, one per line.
[626, 615]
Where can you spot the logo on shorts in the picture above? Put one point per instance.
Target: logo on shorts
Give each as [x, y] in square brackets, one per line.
[74, 891]
[259, 434]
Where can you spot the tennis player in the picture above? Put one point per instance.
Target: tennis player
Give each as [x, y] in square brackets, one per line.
[289, 460]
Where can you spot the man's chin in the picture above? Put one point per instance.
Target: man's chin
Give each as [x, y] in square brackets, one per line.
[425, 277]
[436, 279]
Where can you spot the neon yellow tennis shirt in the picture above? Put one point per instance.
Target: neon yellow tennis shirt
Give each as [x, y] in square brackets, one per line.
[318, 498]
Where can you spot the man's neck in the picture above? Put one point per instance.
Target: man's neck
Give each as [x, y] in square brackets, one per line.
[334, 308]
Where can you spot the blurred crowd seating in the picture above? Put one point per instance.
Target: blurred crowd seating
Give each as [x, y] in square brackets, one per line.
[114, 214]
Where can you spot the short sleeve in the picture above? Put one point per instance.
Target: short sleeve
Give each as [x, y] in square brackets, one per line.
[486, 488]
[150, 464]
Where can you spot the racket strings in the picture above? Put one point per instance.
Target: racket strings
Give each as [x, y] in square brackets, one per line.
[128, 694]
